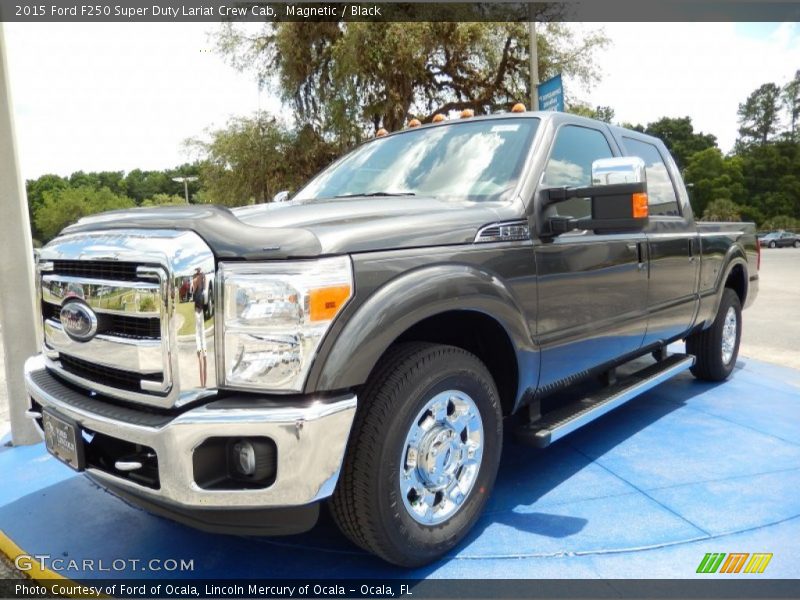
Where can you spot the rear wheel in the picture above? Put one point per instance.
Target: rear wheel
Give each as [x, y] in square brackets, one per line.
[423, 454]
[716, 348]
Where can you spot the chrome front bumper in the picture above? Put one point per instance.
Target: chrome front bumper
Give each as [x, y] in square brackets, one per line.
[310, 440]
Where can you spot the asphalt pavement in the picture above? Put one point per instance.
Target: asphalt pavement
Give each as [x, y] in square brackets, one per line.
[772, 325]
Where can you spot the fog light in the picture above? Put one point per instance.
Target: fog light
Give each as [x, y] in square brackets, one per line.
[252, 459]
[244, 458]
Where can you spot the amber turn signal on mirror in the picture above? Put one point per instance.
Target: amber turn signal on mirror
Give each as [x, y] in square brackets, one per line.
[640, 208]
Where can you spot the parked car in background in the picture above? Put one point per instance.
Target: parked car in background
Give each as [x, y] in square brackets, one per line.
[780, 239]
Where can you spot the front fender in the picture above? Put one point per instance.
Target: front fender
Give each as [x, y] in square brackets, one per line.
[405, 301]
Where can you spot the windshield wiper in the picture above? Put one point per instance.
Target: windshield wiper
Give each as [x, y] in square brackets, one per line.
[374, 194]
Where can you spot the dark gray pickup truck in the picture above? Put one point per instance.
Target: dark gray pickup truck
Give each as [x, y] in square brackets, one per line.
[366, 342]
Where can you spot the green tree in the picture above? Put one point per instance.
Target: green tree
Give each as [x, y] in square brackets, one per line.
[791, 101]
[140, 185]
[349, 79]
[713, 176]
[164, 200]
[759, 115]
[36, 189]
[680, 138]
[772, 177]
[113, 180]
[62, 207]
[781, 222]
[244, 162]
[253, 158]
[722, 209]
[601, 113]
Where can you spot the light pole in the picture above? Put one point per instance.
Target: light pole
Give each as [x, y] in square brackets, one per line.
[534, 63]
[185, 181]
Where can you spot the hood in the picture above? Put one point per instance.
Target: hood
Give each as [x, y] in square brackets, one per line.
[313, 228]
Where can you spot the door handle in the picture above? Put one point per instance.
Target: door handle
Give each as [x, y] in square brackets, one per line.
[638, 248]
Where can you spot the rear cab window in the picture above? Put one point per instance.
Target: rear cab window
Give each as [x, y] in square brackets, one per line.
[660, 191]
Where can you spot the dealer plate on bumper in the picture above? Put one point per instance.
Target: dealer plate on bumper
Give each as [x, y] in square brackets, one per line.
[62, 438]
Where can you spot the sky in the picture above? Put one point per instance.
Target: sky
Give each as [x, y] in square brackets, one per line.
[120, 96]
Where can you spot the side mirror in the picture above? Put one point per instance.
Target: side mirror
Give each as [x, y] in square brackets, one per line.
[618, 198]
[281, 196]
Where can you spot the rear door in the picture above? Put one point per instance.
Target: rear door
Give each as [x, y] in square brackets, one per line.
[592, 289]
[672, 242]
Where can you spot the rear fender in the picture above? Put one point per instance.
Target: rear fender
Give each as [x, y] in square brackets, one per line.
[709, 304]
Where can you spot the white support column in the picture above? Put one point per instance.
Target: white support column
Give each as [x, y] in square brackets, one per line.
[16, 268]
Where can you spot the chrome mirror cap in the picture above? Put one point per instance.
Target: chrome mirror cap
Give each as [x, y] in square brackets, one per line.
[620, 169]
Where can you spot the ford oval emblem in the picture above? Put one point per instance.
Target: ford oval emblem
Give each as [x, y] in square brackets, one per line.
[79, 321]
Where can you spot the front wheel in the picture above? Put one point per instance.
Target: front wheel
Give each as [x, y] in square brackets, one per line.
[423, 454]
[716, 348]
[796, 244]
[772, 245]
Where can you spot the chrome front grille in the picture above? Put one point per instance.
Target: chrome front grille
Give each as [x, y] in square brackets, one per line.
[138, 287]
[118, 325]
[99, 269]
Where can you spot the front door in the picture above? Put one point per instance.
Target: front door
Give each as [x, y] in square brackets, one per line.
[592, 288]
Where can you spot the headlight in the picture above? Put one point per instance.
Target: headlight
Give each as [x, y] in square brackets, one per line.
[275, 315]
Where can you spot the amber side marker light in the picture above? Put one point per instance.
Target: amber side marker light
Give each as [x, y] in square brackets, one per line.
[518, 108]
[640, 208]
[324, 303]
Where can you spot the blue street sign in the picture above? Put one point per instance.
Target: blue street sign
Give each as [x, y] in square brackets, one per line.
[551, 95]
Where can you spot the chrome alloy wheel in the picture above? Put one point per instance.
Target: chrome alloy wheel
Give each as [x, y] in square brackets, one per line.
[441, 457]
[729, 330]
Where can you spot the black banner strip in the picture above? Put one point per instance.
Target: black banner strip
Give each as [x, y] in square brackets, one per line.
[411, 589]
[133, 11]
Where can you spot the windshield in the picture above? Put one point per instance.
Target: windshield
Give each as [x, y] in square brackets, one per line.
[463, 160]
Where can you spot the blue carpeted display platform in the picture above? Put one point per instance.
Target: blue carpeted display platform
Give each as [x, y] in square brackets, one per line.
[645, 491]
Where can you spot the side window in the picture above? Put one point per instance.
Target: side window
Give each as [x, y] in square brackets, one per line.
[660, 190]
[570, 165]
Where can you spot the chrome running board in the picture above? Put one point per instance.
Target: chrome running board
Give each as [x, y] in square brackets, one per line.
[560, 422]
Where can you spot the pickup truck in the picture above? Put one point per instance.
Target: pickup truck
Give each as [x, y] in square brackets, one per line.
[374, 334]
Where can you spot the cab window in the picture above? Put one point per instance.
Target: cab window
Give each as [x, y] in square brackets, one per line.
[570, 165]
[660, 191]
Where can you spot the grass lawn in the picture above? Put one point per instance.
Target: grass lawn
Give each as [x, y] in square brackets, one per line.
[186, 310]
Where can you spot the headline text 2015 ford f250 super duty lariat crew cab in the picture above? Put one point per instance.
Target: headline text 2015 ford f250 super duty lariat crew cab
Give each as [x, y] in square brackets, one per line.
[362, 343]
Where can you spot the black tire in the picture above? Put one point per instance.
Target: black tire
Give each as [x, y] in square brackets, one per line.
[796, 244]
[773, 245]
[367, 505]
[706, 345]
